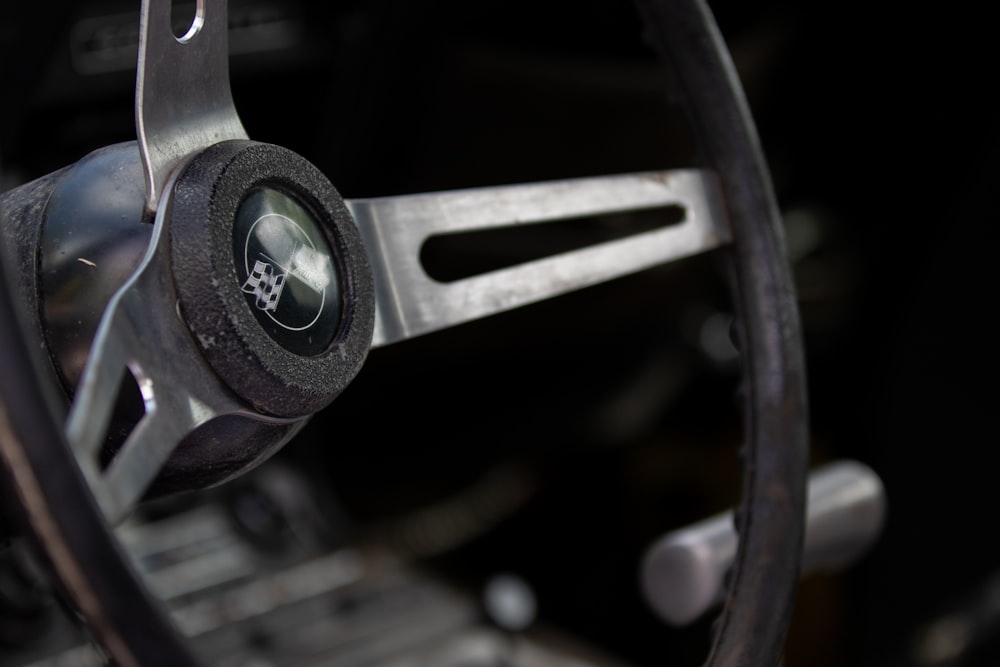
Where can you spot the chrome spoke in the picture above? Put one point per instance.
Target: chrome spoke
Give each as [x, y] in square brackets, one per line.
[183, 101]
[410, 303]
[142, 333]
[183, 104]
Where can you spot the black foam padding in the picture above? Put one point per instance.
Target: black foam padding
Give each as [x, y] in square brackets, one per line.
[254, 365]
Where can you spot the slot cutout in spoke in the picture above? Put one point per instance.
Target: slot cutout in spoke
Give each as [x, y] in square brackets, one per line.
[451, 257]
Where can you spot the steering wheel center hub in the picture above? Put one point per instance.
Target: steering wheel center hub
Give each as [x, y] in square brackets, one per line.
[272, 277]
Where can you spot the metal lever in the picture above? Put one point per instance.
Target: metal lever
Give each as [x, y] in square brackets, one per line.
[683, 572]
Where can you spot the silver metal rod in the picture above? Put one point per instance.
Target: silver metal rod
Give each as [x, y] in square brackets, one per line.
[683, 572]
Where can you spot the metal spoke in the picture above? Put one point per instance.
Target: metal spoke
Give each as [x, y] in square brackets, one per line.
[183, 102]
[179, 390]
[183, 105]
[410, 303]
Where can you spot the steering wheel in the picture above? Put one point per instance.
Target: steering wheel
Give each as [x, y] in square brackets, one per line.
[261, 290]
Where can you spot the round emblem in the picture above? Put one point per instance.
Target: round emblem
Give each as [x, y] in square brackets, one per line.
[286, 271]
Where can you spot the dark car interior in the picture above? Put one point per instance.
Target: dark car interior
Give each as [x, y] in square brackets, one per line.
[540, 452]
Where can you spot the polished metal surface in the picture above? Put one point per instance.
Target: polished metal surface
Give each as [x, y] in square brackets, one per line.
[409, 303]
[683, 573]
[183, 102]
[142, 333]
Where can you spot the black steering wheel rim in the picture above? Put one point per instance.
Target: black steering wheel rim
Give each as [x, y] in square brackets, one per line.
[751, 630]
[760, 597]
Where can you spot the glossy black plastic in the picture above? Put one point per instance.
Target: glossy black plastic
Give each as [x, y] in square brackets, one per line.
[286, 269]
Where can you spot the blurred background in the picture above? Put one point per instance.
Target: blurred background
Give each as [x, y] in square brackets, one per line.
[566, 436]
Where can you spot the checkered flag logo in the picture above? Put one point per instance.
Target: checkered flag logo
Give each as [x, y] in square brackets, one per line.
[265, 284]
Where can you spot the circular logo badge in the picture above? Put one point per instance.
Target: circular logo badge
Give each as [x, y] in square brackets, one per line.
[286, 271]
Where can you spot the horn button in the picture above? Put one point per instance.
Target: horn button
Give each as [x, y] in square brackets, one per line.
[285, 268]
